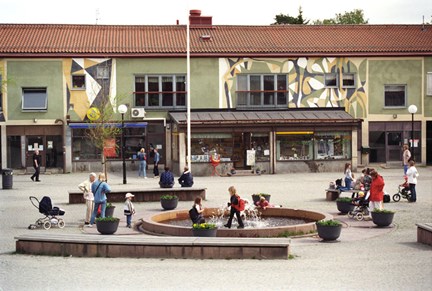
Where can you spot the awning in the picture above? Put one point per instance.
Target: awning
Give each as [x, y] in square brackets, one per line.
[117, 125]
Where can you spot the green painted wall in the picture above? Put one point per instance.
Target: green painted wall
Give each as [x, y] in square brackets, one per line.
[427, 99]
[394, 72]
[204, 72]
[35, 74]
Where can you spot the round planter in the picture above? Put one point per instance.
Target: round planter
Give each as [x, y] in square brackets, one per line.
[204, 232]
[109, 211]
[327, 232]
[256, 198]
[107, 227]
[344, 207]
[169, 204]
[382, 219]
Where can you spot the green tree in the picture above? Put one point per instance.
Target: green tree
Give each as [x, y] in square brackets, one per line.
[352, 17]
[286, 19]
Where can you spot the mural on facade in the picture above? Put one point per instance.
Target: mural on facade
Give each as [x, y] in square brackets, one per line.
[88, 83]
[306, 81]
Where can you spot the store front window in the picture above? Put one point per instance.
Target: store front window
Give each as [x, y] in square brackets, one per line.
[260, 143]
[205, 144]
[294, 145]
[332, 145]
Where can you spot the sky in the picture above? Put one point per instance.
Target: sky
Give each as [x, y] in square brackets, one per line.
[224, 12]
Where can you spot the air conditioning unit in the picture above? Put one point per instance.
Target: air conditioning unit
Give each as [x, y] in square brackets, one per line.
[137, 112]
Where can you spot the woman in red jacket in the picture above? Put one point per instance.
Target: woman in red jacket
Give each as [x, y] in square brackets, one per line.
[376, 191]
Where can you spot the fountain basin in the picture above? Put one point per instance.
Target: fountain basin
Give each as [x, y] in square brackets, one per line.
[156, 224]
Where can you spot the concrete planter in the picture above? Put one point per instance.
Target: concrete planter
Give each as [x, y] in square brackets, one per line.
[205, 232]
[328, 233]
[344, 207]
[382, 219]
[169, 204]
[107, 227]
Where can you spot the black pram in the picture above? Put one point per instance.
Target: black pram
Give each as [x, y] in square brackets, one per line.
[45, 207]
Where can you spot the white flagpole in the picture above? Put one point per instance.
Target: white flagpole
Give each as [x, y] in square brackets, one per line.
[188, 94]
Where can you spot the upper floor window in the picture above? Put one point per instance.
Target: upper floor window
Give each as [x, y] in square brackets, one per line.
[348, 80]
[394, 95]
[160, 91]
[330, 80]
[78, 82]
[261, 90]
[34, 99]
[429, 84]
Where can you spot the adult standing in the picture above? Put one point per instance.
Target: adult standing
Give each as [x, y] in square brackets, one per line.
[85, 187]
[348, 176]
[406, 156]
[156, 160]
[37, 159]
[142, 158]
[376, 191]
[99, 189]
[412, 174]
[186, 179]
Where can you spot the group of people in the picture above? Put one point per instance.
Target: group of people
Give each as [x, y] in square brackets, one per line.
[166, 179]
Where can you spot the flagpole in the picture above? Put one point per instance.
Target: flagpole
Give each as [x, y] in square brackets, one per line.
[188, 94]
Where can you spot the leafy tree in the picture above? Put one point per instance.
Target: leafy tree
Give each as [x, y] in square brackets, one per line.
[352, 17]
[286, 19]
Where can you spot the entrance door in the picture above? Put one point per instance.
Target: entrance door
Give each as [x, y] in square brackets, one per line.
[394, 146]
[34, 143]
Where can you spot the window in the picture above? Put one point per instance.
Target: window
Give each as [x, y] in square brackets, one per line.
[78, 82]
[167, 91]
[330, 80]
[260, 142]
[261, 90]
[34, 99]
[428, 84]
[394, 95]
[348, 80]
[294, 145]
[332, 145]
[205, 144]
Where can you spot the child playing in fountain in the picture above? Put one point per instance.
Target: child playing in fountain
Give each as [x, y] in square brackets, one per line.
[196, 211]
[235, 204]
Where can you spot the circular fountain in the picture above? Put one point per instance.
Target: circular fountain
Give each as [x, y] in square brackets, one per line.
[161, 223]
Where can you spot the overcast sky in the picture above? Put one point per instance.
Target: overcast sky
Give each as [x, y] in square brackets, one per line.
[230, 12]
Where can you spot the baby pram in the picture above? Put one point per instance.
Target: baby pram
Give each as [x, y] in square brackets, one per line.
[51, 213]
[361, 202]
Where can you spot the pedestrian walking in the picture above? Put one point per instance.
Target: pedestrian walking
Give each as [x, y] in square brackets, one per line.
[156, 160]
[85, 187]
[376, 191]
[406, 156]
[37, 159]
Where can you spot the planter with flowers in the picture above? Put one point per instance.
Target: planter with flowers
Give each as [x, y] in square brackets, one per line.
[107, 225]
[204, 229]
[169, 202]
[382, 217]
[329, 229]
[344, 204]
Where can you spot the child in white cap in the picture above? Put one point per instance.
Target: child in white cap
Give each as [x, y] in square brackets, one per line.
[129, 209]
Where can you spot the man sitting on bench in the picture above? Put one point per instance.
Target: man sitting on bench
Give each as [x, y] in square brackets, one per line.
[166, 179]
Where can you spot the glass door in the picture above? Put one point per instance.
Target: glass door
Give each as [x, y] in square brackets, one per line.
[394, 146]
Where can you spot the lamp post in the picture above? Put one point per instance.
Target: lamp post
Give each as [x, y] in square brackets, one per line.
[412, 109]
[123, 109]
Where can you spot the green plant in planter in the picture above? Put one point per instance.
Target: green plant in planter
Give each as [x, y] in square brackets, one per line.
[344, 199]
[329, 222]
[377, 210]
[204, 226]
[109, 205]
[169, 197]
[107, 219]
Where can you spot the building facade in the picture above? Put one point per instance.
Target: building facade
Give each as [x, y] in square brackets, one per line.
[282, 98]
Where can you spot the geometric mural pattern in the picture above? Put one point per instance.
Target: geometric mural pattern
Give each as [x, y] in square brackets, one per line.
[97, 73]
[306, 85]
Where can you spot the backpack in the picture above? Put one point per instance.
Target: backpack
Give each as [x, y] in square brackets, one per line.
[193, 213]
[241, 204]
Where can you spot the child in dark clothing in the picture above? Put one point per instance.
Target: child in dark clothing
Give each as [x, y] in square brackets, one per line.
[234, 203]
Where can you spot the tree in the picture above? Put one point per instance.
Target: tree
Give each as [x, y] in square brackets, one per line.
[286, 19]
[352, 17]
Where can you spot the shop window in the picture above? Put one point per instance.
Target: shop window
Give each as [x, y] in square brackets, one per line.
[394, 96]
[330, 80]
[294, 145]
[34, 99]
[168, 91]
[78, 82]
[261, 90]
[348, 80]
[332, 145]
[205, 144]
[260, 143]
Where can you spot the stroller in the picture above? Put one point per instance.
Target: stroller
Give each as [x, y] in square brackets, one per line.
[403, 191]
[51, 213]
[361, 202]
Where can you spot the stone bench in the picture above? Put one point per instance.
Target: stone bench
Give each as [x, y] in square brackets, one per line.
[333, 194]
[142, 246]
[144, 195]
[424, 233]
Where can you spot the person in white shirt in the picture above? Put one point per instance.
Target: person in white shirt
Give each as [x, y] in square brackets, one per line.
[412, 174]
[85, 187]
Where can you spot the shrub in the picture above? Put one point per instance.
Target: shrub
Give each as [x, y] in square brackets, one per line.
[344, 199]
[107, 218]
[109, 205]
[329, 222]
[168, 197]
[376, 210]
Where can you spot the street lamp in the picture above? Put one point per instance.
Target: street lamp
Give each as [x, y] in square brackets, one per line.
[123, 109]
[412, 109]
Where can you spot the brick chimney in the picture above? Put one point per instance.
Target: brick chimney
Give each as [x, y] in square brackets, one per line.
[196, 20]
